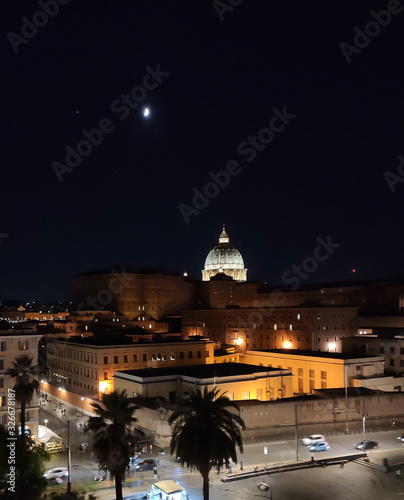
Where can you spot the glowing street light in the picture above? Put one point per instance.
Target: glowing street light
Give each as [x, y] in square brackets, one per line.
[46, 422]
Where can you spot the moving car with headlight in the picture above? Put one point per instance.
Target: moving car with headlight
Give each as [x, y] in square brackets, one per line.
[401, 438]
[56, 472]
[148, 464]
[314, 438]
[320, 446]
[366, 445]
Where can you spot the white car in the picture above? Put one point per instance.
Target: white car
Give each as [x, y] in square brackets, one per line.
[313, 439]
[57, 472]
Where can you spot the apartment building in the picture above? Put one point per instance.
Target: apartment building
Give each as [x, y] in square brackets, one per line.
[14, 343]
[86, 365]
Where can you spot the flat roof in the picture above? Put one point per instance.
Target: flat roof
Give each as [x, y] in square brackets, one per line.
[116, 341]
[315, 354]
[201, 371]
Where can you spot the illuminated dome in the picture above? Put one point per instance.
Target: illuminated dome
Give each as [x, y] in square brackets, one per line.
[224, 259]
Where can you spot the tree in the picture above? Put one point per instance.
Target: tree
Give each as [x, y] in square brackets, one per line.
[206, 432]
[113, 433]
[24, 373]
[27, 480]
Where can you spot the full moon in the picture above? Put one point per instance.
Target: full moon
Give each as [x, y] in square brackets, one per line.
[146, 112]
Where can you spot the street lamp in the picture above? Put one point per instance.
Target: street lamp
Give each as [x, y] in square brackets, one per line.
[46, 422]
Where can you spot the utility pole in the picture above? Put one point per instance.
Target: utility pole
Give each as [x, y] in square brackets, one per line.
[346, 400]
[69, 460]
[296, 435]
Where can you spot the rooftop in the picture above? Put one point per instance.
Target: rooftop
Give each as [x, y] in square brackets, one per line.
[201, 371]
[315, 354]
[113, 340]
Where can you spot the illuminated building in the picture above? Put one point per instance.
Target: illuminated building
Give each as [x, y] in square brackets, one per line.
[322, 370]
[15, 343]
[86, 366]
[224, 258]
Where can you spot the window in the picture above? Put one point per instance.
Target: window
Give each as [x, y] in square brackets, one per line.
[311, 373]
[159, 356]
[298, 316]
[230, 395]
[190, 355]
[3, 345]
[23, 345]
[246, 394]
[172, 356]
[115, 359]
[327, 339]
[275, 326]
[135, 358]
[298, 339]
[144, 357]
[1, 364]
[199, 354]
[105, 360]
[163, 356]
[391, 362]
[1, 383]
[300, 372]
[3, 400]
[153, 357]
[381, 350]
[105, 375]
[392, 350]
[259, 394]
[181, 354]
[318, 339]
[323, 375]
[125, 358]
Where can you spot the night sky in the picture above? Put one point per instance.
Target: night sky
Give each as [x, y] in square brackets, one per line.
[217, 76]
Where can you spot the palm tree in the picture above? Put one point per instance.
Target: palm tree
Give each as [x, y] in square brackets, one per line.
[206, 432]
[24, 373]
[113, 432]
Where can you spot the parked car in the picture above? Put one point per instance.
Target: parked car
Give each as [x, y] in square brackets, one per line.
[314, 438]
[148, 464]
[320, 446]
[57, 472]
[55, 480]
[401, 438]
[366, 445]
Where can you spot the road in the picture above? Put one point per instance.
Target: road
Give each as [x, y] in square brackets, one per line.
[354, 481]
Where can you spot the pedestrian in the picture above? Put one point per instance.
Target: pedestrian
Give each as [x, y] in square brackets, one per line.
[312, 459]
[342, 464]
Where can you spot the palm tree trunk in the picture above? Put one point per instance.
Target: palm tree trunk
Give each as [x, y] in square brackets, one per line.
[205, 477]
[118, 486]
